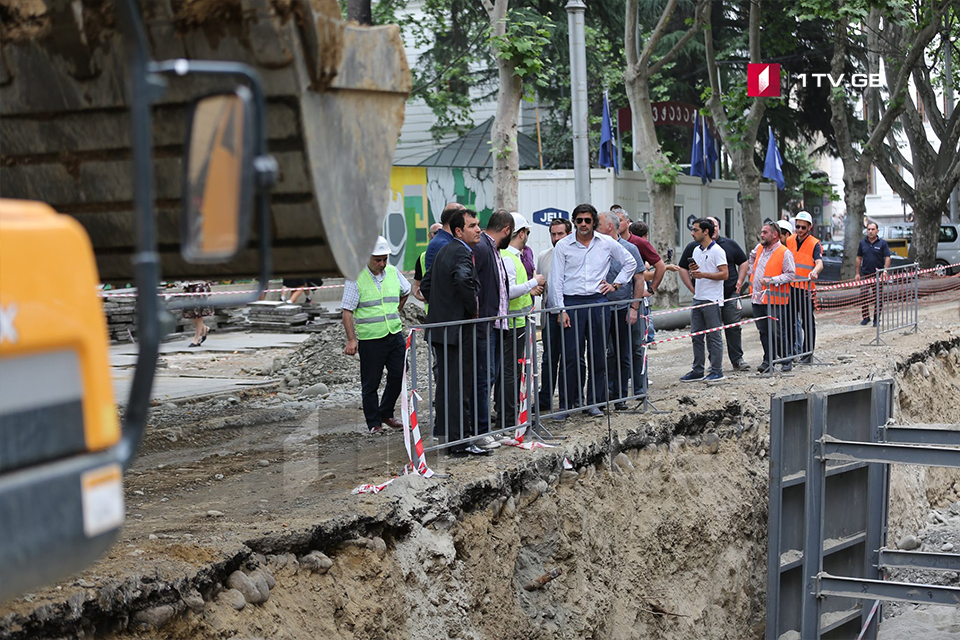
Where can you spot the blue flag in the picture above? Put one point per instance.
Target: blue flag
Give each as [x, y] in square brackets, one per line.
[773, 165]
[710, 152]
[608, 150]
[703, 157]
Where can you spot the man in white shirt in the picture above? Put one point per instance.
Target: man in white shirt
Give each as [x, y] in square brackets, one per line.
[550, 358]
[371, 319]
[708, 268]
[578, 276]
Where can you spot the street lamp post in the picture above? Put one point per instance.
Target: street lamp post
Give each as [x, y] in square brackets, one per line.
[578, 89]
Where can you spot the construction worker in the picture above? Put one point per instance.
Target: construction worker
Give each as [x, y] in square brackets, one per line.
[371, 318]
[521, 290]
[771, 270]
[808, 257]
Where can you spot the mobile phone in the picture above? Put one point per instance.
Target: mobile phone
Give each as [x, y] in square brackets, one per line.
[693, 264]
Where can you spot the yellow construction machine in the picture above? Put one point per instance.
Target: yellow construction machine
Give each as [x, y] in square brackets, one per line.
[264, 132]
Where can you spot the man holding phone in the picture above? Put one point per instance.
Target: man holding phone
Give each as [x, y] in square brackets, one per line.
[708, 269]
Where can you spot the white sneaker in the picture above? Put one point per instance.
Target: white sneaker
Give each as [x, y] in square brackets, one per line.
[487, 442]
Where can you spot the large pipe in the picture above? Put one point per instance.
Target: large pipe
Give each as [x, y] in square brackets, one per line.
[578, 98]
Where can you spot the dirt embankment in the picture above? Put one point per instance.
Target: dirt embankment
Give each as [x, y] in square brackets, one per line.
[668, 542]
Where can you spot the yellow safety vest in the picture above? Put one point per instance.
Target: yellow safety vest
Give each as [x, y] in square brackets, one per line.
[523, 304]
[378, 313]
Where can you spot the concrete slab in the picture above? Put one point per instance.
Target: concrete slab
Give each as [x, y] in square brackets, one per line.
[177, 387]
[173, 387]
[225, 342]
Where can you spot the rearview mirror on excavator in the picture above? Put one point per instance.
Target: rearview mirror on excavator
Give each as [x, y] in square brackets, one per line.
[218, 177]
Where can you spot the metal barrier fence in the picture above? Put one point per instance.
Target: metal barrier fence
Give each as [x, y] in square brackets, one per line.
[789, 334]
[896, 300]
[587, 356]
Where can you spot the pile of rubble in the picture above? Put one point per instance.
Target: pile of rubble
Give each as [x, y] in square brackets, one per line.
[321, 359]
[121, 312]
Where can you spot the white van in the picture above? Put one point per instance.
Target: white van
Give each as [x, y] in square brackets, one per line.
[948, 246]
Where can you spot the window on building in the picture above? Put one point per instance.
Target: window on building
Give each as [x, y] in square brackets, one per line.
[728, 222]
[681, 224]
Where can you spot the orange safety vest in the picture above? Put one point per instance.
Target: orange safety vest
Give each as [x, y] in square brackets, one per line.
[803, 258]
[779, 293]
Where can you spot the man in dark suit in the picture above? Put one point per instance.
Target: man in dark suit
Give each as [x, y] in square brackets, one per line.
[451, 288]
[494, 300]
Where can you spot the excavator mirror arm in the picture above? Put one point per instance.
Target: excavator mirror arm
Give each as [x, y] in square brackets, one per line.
[263, 166]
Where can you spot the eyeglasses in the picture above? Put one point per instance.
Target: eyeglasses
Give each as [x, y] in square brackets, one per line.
[802, 227]
[584, 220]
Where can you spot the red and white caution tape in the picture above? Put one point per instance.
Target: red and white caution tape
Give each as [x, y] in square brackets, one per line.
[706, 331]
[411, 427]
[372, 488]
[411, 432]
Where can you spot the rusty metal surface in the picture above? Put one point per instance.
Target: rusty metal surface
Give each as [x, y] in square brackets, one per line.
[335, 103]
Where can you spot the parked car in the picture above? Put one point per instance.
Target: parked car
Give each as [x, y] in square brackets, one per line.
[833, 256]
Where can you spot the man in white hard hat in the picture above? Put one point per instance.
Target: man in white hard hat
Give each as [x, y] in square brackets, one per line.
[371, 317]
[521, 289]
[808, 257]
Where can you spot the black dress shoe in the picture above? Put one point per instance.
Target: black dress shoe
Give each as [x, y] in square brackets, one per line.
[472, 450]
[763, 368]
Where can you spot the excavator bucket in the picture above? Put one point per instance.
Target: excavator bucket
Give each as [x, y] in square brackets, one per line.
[335, 96]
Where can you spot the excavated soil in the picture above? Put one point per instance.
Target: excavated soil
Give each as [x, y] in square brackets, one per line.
[653, 525]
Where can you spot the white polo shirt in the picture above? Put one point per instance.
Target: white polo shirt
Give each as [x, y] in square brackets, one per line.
[709, 260]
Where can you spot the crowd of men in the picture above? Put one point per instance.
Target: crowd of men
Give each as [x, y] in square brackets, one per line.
[480, 285]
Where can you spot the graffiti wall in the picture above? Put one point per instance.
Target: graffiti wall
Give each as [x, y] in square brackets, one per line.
[418, 195]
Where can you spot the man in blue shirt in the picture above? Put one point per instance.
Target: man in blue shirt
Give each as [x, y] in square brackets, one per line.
[443, 236]
[872, 254]
[623, 316]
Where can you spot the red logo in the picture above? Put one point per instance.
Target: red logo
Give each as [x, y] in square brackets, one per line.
[763, 80]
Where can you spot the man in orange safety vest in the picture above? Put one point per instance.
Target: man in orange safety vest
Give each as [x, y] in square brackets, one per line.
[772, 269]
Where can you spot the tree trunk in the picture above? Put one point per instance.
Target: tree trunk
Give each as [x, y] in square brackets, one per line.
[360, 10]
[854, 197]
[647, 154]
[503, 135]
[503, 140]
[926, 233]
[748, 176]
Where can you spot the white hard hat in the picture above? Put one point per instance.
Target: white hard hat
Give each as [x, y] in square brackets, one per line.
[785, 225]
[804, 217]
[519, 222]
[382, 248]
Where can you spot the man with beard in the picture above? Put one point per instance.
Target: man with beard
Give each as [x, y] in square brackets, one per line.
[452, 288]
[494, 301]
[771, 271]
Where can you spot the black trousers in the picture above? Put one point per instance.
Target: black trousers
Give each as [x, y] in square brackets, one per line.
[802, 303]
[782, 317]
[506, 389]
[375, 356]
[453, 406]
[731, 313]
[619, 354]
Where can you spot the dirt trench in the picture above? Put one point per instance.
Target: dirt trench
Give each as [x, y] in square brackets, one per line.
[668, 542]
